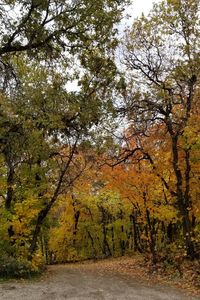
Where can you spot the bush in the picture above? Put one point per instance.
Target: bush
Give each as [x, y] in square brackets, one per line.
[10, 267]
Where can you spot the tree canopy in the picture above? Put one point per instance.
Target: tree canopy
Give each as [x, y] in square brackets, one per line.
[74, 186]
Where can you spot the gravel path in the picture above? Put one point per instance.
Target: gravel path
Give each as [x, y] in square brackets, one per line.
[78, 282]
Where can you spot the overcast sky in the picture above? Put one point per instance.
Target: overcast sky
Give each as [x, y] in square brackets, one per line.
[140, 6]
[135, 10]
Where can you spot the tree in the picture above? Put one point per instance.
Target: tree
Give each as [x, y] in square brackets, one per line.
[42, 122]
[161, 52]
[93, 223]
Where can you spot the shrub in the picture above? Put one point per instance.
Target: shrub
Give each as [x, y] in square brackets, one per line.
[11, 267]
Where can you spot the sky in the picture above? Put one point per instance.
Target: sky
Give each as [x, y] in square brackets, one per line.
[140, 6]
[135, 10]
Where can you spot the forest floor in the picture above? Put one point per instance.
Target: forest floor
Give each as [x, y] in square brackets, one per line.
[116, 279]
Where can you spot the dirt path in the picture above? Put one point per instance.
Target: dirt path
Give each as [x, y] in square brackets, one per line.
[87, 281]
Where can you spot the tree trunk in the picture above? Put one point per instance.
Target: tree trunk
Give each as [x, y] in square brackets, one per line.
[10, 182]
[183, 200]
